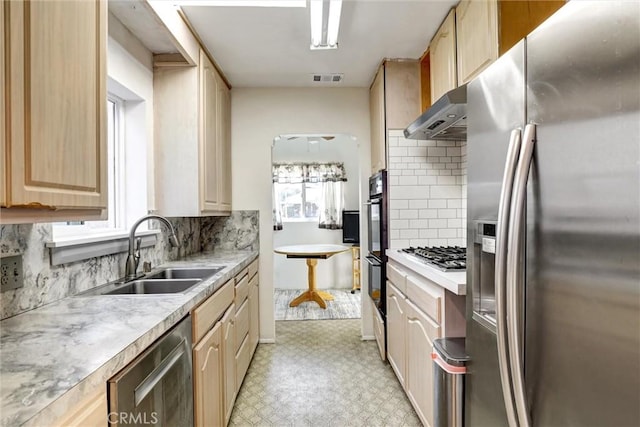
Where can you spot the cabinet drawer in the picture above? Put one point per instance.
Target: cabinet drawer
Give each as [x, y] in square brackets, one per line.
[242, 291]
[243, 358]
[253, 268]
[206, 314]
[242, 323]
[242, 274]
[425, 296]
[397, 277]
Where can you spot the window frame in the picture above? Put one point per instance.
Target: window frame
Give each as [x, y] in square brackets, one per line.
[302, 218]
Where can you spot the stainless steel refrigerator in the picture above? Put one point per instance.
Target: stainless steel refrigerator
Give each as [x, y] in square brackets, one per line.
[553, 306]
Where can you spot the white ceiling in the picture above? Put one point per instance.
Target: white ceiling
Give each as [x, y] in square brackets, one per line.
[269, 47]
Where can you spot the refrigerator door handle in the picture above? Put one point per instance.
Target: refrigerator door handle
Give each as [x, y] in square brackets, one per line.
[501, 273]
[514, 278]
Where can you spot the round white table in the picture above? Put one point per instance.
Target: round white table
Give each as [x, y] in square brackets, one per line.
[312, 253]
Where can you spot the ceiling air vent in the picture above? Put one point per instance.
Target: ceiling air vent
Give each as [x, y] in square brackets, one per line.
[328, 78]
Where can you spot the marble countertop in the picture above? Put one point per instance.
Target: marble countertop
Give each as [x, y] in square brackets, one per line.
[455, 282]
[51, 357]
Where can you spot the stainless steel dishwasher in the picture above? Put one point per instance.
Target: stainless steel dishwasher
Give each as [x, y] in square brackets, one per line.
[157, 387]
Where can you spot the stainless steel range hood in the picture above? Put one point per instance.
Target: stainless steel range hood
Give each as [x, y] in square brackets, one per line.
[445, 120]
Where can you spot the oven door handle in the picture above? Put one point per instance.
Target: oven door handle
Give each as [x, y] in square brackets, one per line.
[373, 261]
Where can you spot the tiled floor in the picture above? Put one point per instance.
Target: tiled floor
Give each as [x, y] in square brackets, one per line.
[320, 373]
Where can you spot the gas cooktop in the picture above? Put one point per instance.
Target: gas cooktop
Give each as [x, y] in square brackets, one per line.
[445, 258]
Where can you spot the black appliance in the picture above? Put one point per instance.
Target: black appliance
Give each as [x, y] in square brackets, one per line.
[445, 258]
[351, 227]
[378, 240]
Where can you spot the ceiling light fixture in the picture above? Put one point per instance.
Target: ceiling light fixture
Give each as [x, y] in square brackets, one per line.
[243, 3]
[325, 23]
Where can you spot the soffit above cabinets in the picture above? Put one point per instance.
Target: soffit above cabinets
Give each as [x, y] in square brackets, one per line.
[140, 19]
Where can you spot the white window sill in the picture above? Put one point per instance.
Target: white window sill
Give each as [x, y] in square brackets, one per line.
[68, 249]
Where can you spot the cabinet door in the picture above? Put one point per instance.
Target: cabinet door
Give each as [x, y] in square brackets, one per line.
[90, 412]
[477, 34]
[443, 58]
[396, 330]
[224, 144]
[209, 185]
[56, 66]
[207, 365]
[254, 313]
[401, 92]
[229, 360]
[421, 331]
[378, 128]
[378, 330]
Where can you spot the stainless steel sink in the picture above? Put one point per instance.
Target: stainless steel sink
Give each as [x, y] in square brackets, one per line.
[172, 280]
[153, 286]
[184, 273]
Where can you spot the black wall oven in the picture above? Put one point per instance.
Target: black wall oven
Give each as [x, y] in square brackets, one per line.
[378, 241]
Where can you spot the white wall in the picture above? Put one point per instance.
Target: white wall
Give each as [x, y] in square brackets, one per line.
[260, 114]
[335, 272]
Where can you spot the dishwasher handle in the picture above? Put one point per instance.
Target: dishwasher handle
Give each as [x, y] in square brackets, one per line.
[145, 387]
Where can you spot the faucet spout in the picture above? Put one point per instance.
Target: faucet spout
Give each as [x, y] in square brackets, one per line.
[132, 262]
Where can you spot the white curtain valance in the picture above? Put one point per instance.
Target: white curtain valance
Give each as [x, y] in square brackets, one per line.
[295, 173]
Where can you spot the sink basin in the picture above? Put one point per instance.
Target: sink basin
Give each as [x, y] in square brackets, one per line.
[184, 273]
[154, 286]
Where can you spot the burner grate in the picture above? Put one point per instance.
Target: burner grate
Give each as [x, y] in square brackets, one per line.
[446, 258]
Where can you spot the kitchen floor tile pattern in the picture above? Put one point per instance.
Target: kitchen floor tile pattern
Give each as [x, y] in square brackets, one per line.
[344, 306]
[320, 373]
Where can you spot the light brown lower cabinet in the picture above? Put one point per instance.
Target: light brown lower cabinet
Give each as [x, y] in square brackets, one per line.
[396, 331]
[225, 330]
[254, 314]
[420, 333]
[378, 330]
[207, 362]
[90, 412]
[229, 361]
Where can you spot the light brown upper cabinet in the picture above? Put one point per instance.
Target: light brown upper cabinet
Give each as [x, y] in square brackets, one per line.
[53, 145]
[477, 37]
[192, 128]
[442, 51]
[376, 109]
[223, 117]
[394, 102]
[475, 34]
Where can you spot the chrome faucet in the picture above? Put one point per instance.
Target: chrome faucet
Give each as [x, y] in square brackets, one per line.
[134, 255]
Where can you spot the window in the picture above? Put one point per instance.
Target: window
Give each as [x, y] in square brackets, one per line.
[298, 201]
[304, 191]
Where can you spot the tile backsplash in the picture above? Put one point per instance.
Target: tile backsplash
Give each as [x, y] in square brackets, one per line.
[427, 183]
[44, 283]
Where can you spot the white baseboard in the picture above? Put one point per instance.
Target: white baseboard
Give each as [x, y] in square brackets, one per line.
[267, 341]
[368, 337]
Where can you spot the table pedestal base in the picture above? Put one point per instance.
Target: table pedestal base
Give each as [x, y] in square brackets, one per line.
[318, 296]
[312, 294]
